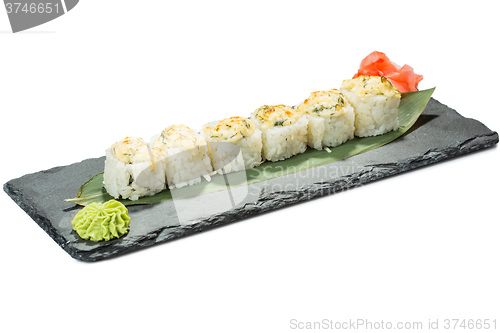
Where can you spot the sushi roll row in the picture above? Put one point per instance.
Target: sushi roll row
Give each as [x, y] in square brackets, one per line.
[364, 106]
[177, 157]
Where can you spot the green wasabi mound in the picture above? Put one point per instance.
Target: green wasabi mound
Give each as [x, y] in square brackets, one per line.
[102, 221]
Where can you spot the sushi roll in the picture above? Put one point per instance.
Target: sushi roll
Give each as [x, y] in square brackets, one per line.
[284, 131]
[331, 119]
[131, 170]
[375, 101]
[184, 156]
[235, 144]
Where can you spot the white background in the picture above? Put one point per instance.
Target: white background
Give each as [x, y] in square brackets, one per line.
[418, 246]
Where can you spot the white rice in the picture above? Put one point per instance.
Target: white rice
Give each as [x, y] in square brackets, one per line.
[132, 180]
[251, 148]
[330, 132]
[282, 142]
[331, 119]
[375, 115]
[376, 107]
[185, 164]
[236, 156]
[186, 167]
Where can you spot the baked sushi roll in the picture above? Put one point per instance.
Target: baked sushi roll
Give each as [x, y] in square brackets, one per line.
[184, 155]
[131, 170]
[234, 144]
[331, 119]
[284, 131]
[375, 101]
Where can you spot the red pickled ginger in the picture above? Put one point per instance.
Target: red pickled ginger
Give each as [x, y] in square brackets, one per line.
[378, 64]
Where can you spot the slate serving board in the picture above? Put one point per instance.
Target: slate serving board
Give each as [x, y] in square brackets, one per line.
[440, 133]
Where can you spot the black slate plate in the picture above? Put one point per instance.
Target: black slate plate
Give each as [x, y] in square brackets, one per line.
[440, 133]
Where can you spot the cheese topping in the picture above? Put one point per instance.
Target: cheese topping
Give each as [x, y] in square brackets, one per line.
[230, 129]
[131, 150]
[178, 136]
[324, 104]
[371, 85]
[276, 115]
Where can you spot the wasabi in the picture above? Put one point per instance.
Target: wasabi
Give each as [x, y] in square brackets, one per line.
[102, 221]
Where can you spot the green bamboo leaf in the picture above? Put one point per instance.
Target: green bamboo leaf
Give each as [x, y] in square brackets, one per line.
[411, 107]
[92, 191]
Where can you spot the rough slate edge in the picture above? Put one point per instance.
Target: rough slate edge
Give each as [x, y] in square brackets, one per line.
[267, 202]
